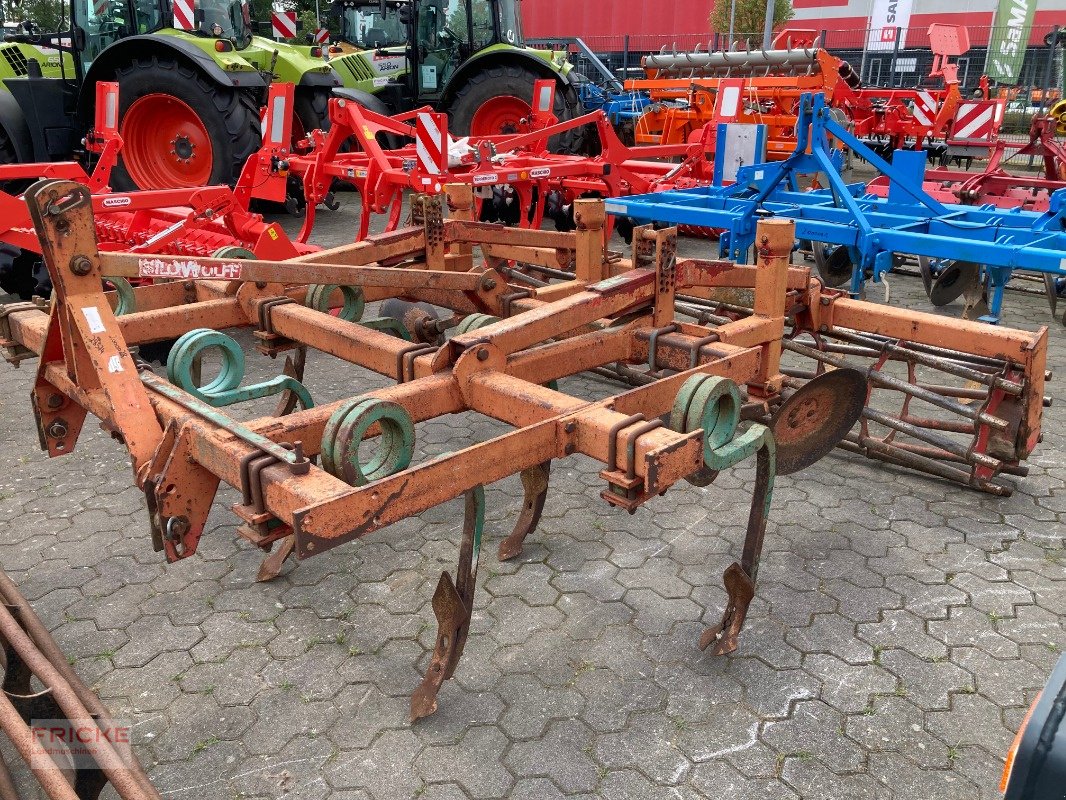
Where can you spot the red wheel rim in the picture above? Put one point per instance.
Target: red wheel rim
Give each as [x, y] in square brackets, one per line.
[165, 145]
[502, 114]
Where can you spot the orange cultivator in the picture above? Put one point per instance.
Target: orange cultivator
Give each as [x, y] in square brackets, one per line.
[692, 93]
[306, 481]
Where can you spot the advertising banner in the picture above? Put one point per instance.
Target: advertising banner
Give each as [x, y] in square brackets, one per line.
[885, 17]
[1010, 34]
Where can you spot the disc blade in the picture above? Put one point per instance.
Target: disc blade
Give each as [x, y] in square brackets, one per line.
[810, 423]
[835, 267]
[925, 266]
[953, 282]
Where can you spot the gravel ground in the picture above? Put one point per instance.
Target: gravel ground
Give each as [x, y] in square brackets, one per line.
[900, 629]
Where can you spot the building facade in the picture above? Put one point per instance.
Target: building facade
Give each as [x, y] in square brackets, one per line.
[686, 22]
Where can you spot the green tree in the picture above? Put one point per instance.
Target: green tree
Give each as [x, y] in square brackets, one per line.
[750, 16]
[482, 15]
[48, 15]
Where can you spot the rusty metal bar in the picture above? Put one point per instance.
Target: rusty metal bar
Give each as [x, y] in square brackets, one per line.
[28, 639]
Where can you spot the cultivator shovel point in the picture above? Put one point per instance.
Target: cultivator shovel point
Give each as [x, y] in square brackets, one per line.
[338, 470]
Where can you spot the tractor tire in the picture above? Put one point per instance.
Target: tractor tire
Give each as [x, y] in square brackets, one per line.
[19, 273]
[7, 149]
[310, 112]
[499, 93]
[169, 99]
[8, 156]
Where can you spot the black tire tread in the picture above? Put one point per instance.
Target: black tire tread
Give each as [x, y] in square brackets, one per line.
[567, 105]
[239, 112]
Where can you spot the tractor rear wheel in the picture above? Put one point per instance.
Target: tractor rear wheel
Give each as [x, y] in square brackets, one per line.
[496, 100]
[310, 112]
[17, 273]
[180, 130]
[9, 156]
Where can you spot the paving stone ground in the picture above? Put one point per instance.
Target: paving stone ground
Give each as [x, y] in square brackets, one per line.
[901, 628]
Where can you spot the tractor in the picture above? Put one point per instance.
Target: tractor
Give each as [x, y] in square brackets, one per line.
[465, 57]
[192, 78]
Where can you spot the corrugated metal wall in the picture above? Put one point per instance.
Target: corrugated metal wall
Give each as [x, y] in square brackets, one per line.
[656, 23]
[612, 18]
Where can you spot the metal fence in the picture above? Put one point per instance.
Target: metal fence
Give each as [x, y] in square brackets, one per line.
[905, 64]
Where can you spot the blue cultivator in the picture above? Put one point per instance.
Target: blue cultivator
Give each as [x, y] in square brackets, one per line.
[622, 108]
[962, 250]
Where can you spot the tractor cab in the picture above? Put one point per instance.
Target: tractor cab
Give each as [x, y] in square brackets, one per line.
[226, 20]
[373, 26]
[42, 85]
[102, 23]
[448, 33]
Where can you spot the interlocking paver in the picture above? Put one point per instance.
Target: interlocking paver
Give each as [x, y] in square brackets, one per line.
[900, 627]
[894, 724]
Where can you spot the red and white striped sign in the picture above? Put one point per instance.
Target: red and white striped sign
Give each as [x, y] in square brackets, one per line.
[431, 142]
[284, 24]
[976, 119]
[184, 18]
[925, 108]
[100, 7]
[321, 35]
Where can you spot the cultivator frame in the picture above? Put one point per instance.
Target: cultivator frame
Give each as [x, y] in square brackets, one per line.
[870, 232]
[994, 186]
[611, 312]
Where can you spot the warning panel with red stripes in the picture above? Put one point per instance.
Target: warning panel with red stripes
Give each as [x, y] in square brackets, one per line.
[431, 142]
[283, 24]
[321, 35]
[977, 120]
[925, 108]
[184, 17]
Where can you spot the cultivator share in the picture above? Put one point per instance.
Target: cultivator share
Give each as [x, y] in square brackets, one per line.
[711, 392]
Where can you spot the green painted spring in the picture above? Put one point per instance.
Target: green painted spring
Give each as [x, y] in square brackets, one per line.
[352, 308]
[344, 434]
